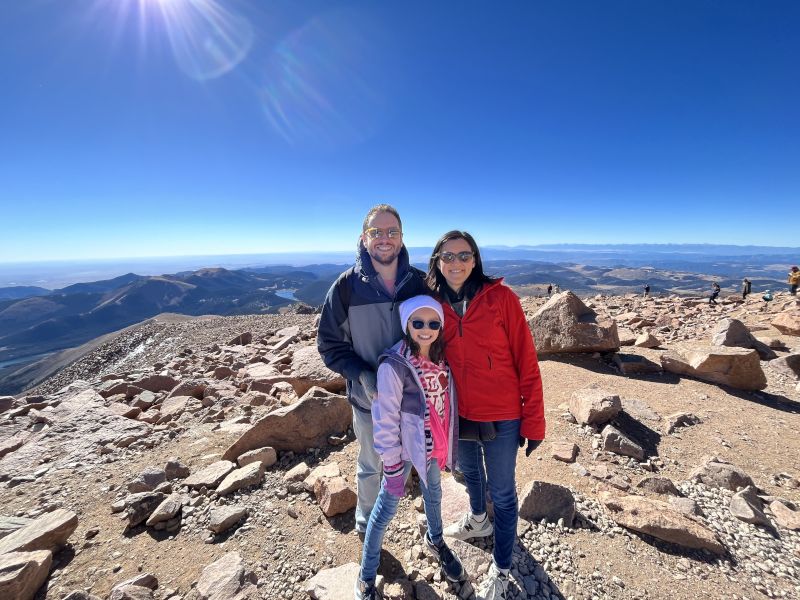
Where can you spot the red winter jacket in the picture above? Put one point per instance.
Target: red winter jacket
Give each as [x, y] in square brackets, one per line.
[493, 361]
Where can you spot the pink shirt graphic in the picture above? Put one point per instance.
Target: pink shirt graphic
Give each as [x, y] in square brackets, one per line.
[435, 383]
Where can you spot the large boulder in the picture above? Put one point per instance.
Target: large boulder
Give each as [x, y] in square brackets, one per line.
[736, 367]
[541, 500]
[788, 322]
[733, 333]
[566, 324]
[660, 520]
[47, 532]
[308, 370]
[594, 406]
[303, 425]
[22, 573]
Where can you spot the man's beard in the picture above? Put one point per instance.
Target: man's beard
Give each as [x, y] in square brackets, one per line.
[388, 260]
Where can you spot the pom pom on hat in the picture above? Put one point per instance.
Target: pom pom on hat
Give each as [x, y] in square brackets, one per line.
[412, 305]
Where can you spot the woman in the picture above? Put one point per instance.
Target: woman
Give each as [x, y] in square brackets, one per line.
[493, 363]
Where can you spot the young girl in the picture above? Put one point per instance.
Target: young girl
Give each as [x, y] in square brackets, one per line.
[414, 420]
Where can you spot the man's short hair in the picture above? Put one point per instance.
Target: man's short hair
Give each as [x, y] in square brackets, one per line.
[379, 208]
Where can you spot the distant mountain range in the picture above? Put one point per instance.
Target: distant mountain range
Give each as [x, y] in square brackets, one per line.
[699, 258]
[35, 321]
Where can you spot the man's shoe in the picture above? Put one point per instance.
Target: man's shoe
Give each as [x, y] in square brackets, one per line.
[366, 591]
[451, 566]
[468, 528]
[495, 586]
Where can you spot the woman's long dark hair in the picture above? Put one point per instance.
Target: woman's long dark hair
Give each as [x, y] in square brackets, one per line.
[476, 279]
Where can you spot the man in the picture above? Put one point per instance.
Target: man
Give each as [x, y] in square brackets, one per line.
[360, 319]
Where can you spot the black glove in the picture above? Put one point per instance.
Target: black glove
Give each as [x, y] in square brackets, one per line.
[368, 381]
[532, 445]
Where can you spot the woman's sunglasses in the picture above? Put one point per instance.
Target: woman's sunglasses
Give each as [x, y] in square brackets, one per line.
[448, 257]
[420, 324]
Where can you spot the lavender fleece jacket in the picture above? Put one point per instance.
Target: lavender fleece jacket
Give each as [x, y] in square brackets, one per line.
[398, 414]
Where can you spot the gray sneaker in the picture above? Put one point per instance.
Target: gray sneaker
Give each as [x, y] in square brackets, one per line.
[366, 591]
[495, 586]
[468, 528]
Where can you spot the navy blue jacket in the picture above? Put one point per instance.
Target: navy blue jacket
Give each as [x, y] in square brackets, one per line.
[360, 319]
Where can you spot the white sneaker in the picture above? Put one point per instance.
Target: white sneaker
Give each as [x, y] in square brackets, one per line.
[468, 528]
[495, 586]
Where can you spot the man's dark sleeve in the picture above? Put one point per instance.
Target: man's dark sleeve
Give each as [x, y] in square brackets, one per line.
[334, 342]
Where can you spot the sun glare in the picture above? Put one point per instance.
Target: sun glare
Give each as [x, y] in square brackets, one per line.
[207, 39]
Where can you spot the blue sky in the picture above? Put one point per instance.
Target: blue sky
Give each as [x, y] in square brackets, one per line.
[180, 127]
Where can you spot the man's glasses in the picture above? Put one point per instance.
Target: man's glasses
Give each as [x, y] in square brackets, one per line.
[374, 233]
[432, 325]
[448, 257]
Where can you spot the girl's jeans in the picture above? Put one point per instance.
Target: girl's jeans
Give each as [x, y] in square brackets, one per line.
[386, 507]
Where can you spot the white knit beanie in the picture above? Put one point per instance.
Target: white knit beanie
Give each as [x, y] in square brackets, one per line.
[412, 305]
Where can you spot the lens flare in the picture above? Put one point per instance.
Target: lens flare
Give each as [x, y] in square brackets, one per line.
[207, 39]
[321, 88]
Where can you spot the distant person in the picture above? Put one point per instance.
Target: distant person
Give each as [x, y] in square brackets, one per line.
[767, 298]
[747, 287]
[359, 321]
[715, 289]
[794, 280]
[549, 289]
[414, 419]
[558, 289]
[646, 290]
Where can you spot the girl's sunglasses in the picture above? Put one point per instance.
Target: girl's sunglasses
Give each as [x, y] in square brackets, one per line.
[432, 325]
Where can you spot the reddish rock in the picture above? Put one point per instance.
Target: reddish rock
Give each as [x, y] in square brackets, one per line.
[334, 496]
[594, 406]
[736, 367]
[303, 425]
[23, 573]
[661, 520]
[566, 324]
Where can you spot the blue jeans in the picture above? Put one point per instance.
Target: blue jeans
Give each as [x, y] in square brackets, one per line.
[498, 460]
[368, 468]
[386, 507]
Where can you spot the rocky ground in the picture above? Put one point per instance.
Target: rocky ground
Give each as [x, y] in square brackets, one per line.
[211, 458]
